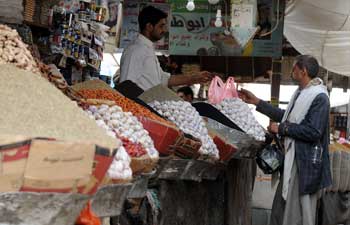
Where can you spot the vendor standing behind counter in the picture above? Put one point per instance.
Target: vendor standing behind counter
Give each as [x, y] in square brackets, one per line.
[139, 62]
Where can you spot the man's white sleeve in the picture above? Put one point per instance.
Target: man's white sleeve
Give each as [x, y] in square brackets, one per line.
[165, 78]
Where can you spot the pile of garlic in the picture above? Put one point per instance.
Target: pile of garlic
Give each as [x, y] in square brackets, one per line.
[124, 124]
[189, 121]
[239, 113]
[120, 167]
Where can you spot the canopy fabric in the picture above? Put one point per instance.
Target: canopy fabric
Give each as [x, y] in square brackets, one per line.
[321, 28]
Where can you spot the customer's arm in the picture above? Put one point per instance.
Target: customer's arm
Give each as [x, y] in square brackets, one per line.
[274, 113]
[177, 80]
[312, 127]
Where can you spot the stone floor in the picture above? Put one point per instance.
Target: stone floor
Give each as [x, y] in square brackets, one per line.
[262, 199]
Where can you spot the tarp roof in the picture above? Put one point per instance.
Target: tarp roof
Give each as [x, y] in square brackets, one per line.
[321, 28]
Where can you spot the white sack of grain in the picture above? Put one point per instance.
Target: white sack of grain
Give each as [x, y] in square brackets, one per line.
[33, 107]
[336, 170]
[344, 169]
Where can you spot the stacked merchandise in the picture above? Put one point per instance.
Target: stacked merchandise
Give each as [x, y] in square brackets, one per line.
[189, 121]
[81, 34]
[32, 107]
[126, 104]
[136, 140]
[14, 51]
[45, 112]
[38, 11]
[31, 10]
[120, 171]
[239, 112]
[163, 133]
[195, 141]
[339, 155]
[11, 11]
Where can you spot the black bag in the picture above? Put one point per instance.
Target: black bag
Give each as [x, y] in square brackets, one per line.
[270, 159]
[129, 89]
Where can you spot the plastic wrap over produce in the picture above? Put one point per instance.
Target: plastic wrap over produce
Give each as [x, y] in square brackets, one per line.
[189, 121]
[120, 167]
[125, 125]
[239, 112]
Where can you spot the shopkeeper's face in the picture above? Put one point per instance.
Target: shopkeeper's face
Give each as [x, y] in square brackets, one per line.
[159, 30]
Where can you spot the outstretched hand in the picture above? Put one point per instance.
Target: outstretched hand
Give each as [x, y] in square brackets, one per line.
[202, 77]
[248, 97]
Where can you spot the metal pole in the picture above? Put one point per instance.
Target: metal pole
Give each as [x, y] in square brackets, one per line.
[276, 81]
[348, 120]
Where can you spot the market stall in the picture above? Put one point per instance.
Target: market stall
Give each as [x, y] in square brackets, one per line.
[334, 204]
[89, 148]
[186, 168]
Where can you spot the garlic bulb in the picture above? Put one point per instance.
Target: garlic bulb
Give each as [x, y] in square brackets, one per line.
[120, 167]
[239, 113]
[124, 124]
[189, 121]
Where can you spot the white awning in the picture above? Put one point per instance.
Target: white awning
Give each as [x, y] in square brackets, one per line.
[321, 28]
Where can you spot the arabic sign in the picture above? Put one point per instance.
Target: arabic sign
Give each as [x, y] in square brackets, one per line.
[191, 34]
[130, 27]
[194, 33]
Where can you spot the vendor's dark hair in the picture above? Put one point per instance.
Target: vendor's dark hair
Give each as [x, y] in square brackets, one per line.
[150, 14]
[309, 63]
[186, 90]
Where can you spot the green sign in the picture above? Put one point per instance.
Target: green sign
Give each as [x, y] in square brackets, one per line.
[194, 33]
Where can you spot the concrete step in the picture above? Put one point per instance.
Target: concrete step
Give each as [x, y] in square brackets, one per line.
[260, 216]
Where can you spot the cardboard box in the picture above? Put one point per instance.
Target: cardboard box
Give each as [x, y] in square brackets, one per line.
[54, 166]
[65, 167]
[13, 158]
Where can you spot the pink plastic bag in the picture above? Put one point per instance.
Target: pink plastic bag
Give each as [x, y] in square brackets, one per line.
[218, 90]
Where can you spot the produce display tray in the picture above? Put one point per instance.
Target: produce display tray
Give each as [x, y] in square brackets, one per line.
[162, 135]
[226, 151]
[245, 146]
